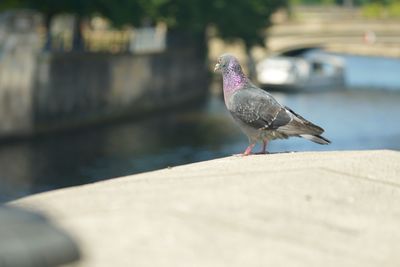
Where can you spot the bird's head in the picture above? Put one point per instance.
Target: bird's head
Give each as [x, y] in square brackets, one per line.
[226, 62]
[233, 77]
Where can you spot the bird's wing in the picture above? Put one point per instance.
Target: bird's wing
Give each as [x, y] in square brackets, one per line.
[259, 109]
[307, 126]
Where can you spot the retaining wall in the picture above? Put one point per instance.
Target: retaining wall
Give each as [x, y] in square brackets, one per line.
[41, 91]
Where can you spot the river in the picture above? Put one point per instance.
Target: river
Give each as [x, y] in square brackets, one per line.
[364, 115]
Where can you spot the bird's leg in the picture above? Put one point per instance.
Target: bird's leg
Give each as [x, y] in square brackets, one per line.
[264, 147]
[248, 149]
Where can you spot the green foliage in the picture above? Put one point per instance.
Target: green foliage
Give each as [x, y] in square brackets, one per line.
[373, 10]
[381, 9]
[246, 19]
[394, 9]
[340, 2]
[7, 4]
[313, 2]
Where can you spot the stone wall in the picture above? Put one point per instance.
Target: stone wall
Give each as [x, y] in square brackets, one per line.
[41, 91]
[19, 44]
[78, 88]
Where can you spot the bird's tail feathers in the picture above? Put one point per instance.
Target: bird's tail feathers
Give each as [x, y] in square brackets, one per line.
[306, 124]
[314, 129]
[316, 139]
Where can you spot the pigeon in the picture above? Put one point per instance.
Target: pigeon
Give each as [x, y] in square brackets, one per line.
[259, 115]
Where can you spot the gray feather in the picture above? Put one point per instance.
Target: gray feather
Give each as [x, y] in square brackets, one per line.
[258, 109]
[316, 139]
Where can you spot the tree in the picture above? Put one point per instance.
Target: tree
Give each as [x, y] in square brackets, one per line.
[244, 19]
[49, 8]
[234, 19]
[247, 20]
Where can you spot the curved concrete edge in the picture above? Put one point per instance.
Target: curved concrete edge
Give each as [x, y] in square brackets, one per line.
[289, 209]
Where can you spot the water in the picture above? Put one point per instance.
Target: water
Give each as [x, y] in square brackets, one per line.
[372, 72]
[353, 119]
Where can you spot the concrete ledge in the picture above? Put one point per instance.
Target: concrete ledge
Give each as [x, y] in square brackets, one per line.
[290, 209]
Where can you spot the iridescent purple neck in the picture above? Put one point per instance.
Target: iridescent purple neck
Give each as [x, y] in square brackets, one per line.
[233, 80]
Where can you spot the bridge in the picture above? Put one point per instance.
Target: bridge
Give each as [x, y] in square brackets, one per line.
[337, 29]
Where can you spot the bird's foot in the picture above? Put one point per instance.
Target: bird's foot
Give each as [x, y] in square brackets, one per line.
[244, 154]
[262, 153]
[248, 150]
[241, 155]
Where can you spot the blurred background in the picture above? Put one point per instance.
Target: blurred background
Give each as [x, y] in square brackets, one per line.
[96, 89]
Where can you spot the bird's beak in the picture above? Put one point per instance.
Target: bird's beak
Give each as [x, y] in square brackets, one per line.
[216, 68]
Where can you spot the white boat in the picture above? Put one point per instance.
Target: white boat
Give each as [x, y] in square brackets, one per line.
[309, 71]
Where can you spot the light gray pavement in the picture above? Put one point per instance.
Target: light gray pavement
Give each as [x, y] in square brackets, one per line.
[289, 209]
